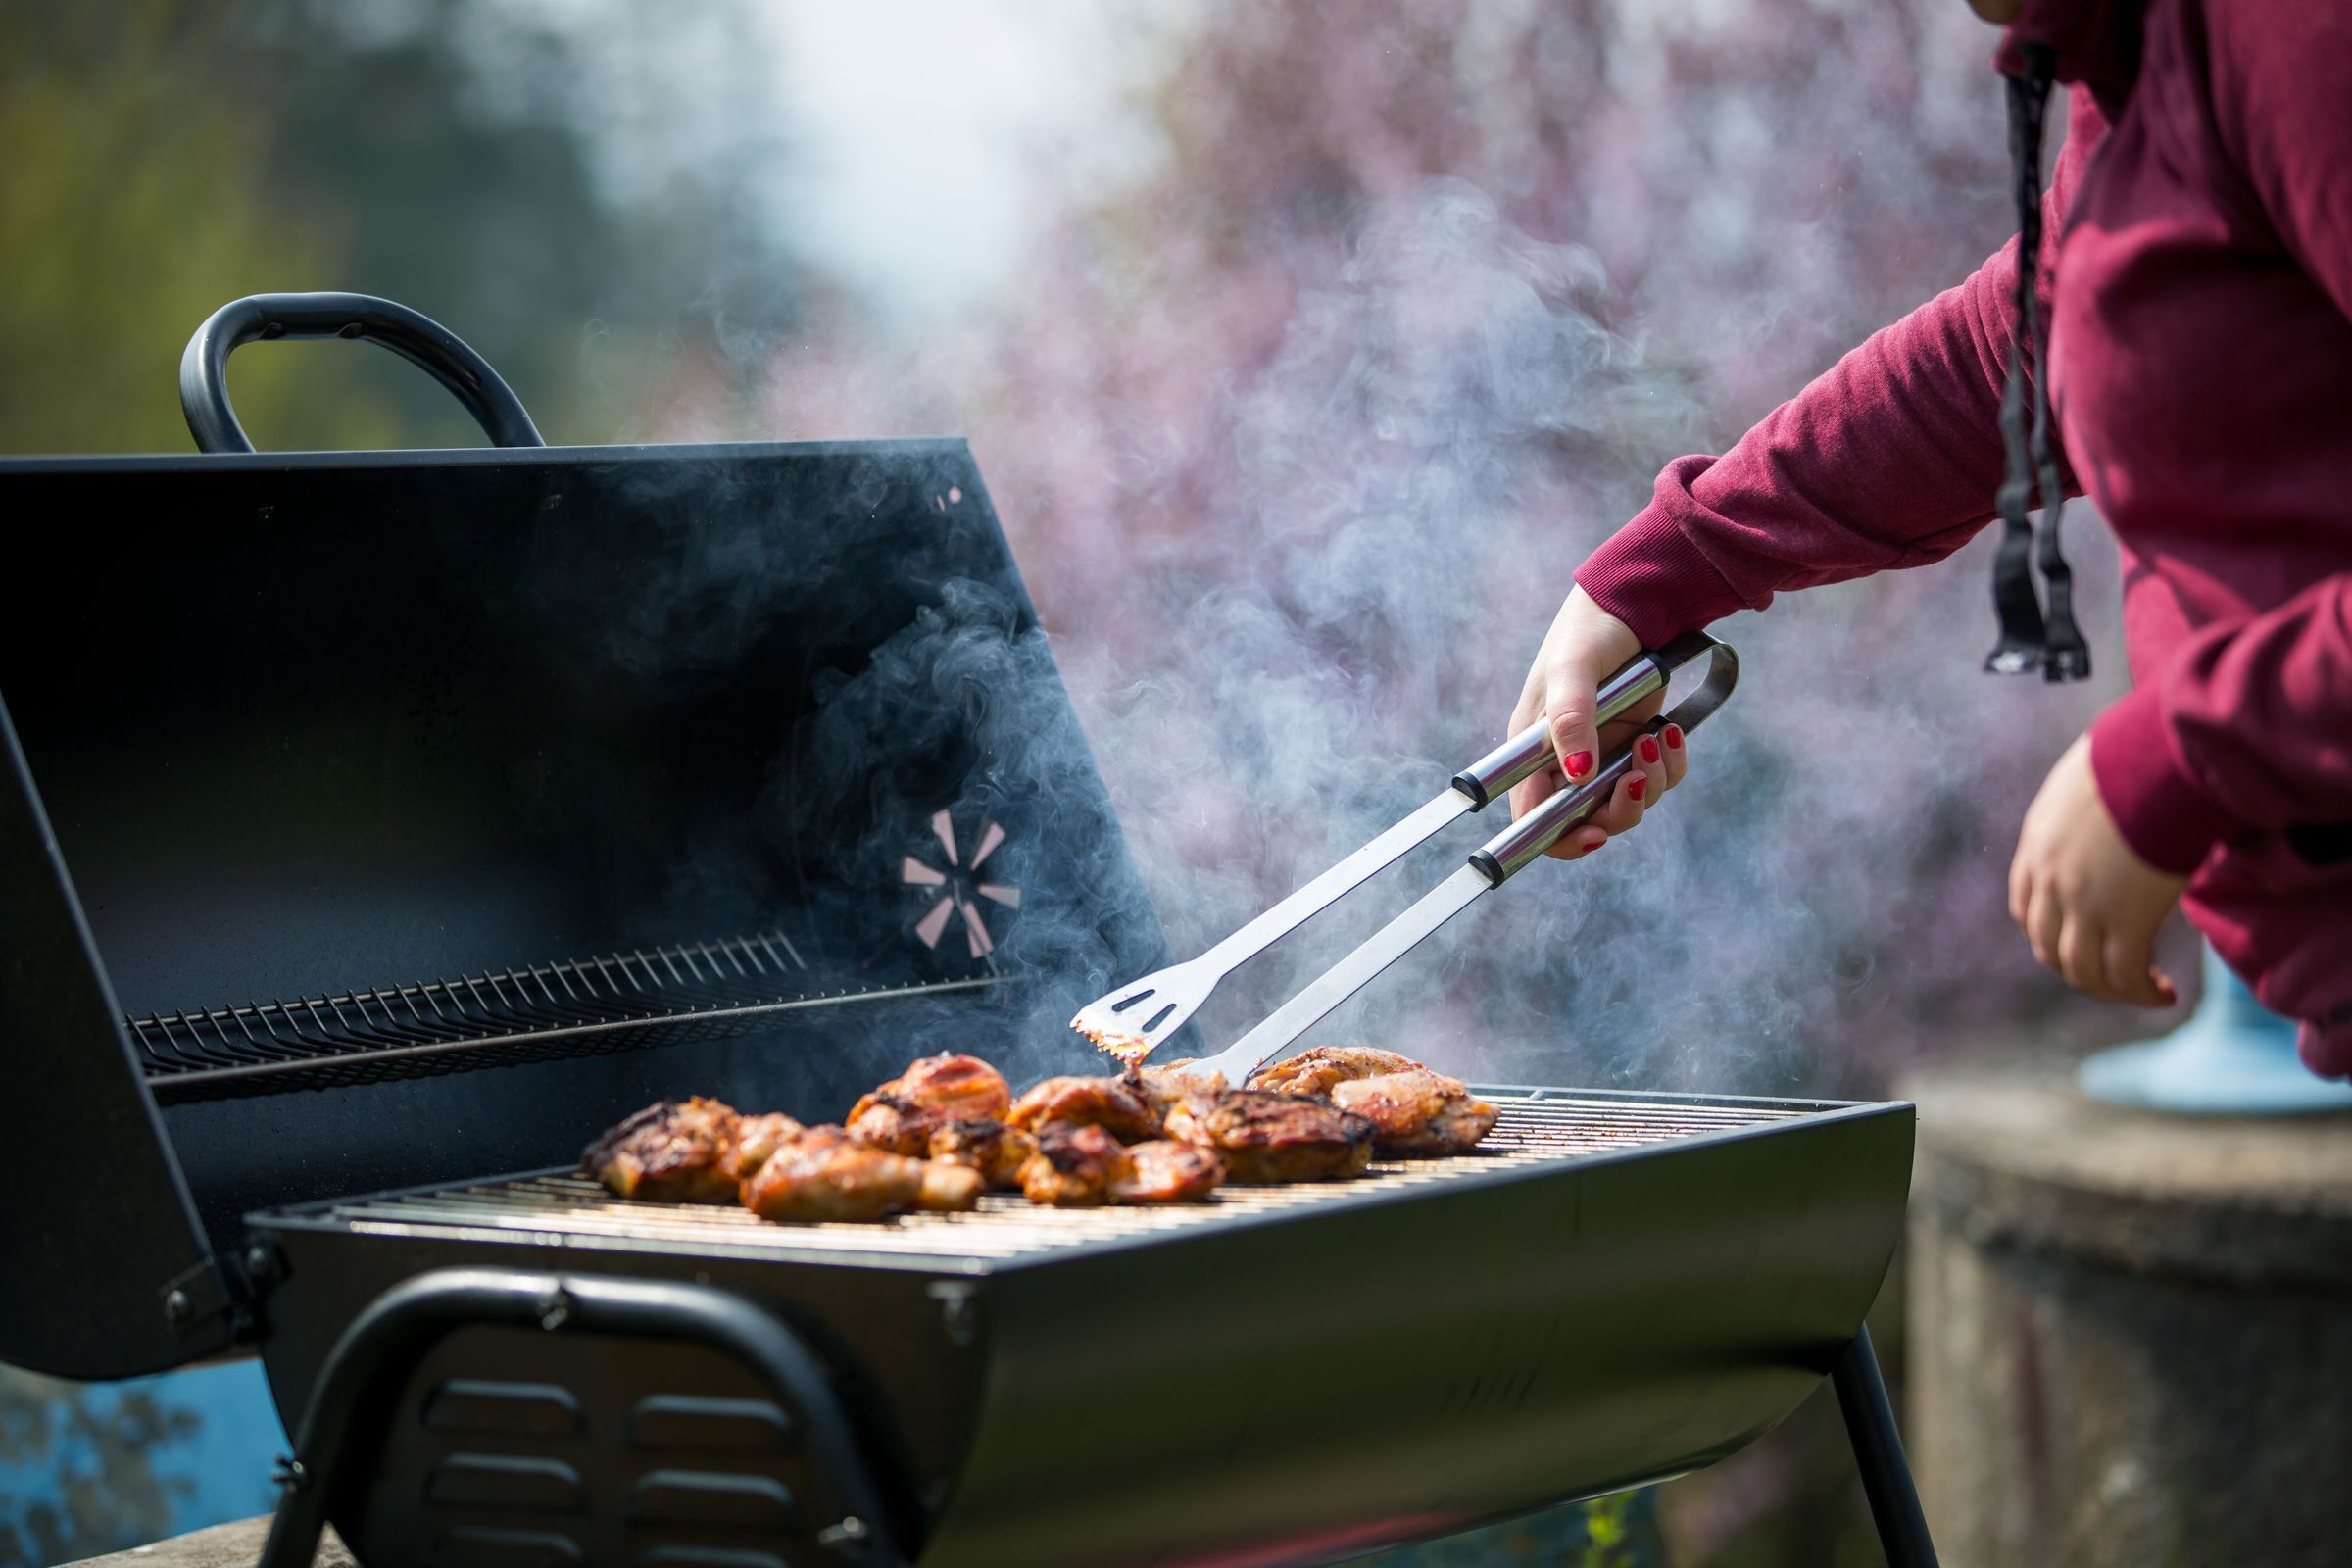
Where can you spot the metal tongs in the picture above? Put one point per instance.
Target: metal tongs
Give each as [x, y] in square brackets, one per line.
[1134, 1020]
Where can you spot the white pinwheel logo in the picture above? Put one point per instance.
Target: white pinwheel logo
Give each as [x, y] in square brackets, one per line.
[959, 884]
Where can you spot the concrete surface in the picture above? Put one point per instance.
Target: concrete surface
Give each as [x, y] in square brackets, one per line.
[2131, 1334]
[235, 1546]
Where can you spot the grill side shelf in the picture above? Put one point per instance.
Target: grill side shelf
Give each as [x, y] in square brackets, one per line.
[547, 1012]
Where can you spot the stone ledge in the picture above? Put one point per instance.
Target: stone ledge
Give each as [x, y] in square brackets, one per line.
[2011, 1155]
[237, 1545]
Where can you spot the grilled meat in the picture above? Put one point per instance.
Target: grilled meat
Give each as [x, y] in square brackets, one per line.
[902, 1114]
[1266, 1138]
[825, 1174]
[1113, 1104]
[669, 1153]
[1413, 1111]
[1076, 1166]
[1162, 1087]
[985, 1144]
[1315, 1070]
[1168, 1172]
[895, 1123]
[1417, 1113]
[757, 1137]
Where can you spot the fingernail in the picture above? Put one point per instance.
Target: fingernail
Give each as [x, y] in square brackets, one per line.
[1674, 736]
[1578, 764]
[1649, 749]
[1636, 785]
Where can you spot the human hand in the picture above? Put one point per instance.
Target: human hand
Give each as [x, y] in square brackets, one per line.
[2090, 907]
[1584, 647]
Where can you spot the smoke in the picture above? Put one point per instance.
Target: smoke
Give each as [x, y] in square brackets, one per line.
[1301, 444]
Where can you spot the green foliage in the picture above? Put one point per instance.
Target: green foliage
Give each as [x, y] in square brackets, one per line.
[166, 158]
[136, 201]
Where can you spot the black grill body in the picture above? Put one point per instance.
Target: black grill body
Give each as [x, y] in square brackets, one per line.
[369, 826]
[1630, 1288]
[332, 780]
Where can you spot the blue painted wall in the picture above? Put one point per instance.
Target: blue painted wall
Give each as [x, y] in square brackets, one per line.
[95, 1467]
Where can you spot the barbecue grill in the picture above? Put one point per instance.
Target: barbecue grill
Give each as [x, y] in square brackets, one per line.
[375, 829]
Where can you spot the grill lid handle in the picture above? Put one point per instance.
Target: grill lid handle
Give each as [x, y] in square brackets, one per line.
[415, 337]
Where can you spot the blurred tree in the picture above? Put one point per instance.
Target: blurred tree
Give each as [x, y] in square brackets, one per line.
[136, 201]
[467, 158]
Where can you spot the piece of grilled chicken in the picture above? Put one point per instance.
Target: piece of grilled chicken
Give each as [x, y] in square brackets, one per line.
[1162, 1087]
[1314, 1070]
[1165, 1171]
[1412, 1110]
[1076, 1166]
[757, 1137]
[1266, 1138]
[1417, 1113]
[825, 1174]
[987, 1145]
[902, 1114]
[1114, 1105]
[669, 1152]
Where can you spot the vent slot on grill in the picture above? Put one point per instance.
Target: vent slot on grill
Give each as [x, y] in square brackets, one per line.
[575, 1007]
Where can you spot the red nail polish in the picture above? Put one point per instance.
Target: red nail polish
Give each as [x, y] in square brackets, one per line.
[1636, 785]
[1649, 749]
[1578, 764]
[1674, 736]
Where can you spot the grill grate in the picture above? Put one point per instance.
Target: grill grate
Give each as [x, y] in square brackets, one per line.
[1536, 1127]
[621, 1001]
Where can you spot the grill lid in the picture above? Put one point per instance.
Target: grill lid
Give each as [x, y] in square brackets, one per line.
[627, 772]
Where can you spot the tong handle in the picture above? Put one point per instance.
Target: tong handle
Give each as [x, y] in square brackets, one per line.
[1529, 750]
[1507, 853]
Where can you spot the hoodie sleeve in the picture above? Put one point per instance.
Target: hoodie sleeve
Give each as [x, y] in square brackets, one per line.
[2248, 726]
[1889, 458]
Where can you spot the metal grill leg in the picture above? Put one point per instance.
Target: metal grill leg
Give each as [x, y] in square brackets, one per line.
[1879, 1455]
[342, 1422]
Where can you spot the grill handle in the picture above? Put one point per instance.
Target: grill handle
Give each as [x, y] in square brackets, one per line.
[415, 337]
[1509, 851]
[343, 1421]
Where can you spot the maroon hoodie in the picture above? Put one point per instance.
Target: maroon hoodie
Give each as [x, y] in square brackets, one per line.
[2200, 267]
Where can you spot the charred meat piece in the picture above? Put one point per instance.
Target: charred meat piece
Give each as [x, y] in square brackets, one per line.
[1076, 1166]
[669, 1153]
[1113, 1104]
[984, 1145]
[1266, 1138]
[757, 1137]
[825, 1174]
[1162, 1087]
[1315, 1070]
[899, 1125]
[902, 1114]
[1417, 1113]
[1168, 1172]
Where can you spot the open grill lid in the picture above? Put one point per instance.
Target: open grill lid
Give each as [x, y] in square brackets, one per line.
[327, 779]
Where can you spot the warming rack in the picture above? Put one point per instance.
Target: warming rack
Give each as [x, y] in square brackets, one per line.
[575, 1007]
